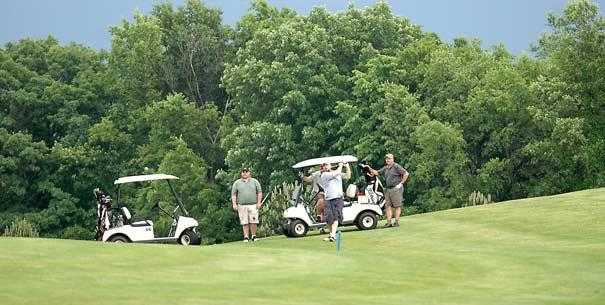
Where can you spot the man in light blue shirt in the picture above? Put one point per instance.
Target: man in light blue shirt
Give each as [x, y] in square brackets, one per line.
[331, 180]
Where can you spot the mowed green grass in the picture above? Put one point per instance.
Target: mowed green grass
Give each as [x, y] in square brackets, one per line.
[548, 250]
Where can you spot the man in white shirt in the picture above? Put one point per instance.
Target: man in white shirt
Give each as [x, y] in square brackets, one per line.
[331, 180]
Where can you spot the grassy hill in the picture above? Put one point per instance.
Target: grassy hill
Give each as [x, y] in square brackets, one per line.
[548, 250]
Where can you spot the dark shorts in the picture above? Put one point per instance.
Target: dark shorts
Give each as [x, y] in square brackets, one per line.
[333, 210]
[393, 197]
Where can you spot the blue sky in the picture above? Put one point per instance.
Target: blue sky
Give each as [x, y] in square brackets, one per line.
[514, 23]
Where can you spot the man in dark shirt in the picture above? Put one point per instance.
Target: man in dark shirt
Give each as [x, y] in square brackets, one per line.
[395, 176]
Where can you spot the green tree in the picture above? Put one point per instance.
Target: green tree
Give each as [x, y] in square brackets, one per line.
[176, 117]
[195, 41]
[439, 167]
[136, 58]
[23, 166]
[267, 149]
[574, 46]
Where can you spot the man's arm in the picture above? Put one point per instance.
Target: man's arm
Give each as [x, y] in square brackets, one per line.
[370, 170]
[375, 172]
[259, 200]
[234, 201]
[310, 177]
[405, 176]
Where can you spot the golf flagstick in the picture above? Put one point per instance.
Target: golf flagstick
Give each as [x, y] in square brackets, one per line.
[338, 241]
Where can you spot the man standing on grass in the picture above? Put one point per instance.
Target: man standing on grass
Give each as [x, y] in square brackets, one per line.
[246, 199]
[395, 176]
[332, 182]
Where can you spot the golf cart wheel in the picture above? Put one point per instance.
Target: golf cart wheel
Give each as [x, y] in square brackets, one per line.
[298, 228]
[118, 239]
[366, 221]
[189, 238]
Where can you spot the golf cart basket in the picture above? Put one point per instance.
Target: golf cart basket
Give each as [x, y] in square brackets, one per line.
[103, 206]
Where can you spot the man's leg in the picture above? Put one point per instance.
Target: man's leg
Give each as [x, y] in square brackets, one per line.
[332, 234]
[339, 206]
[388, 206]
[389, 212]
[243, 220]
[246, 229]
[333, 228]
[253, 229]
[399, 204]
[253, 221]
[331, 218]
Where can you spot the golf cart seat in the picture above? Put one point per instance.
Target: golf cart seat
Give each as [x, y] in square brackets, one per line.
[351, 191]
[128, 219]
[350, 194]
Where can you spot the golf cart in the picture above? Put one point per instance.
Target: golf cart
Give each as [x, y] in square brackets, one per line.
[117, 224]
[361, 208]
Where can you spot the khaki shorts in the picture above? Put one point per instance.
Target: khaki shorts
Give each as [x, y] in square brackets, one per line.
[248, 213]
[393, 197]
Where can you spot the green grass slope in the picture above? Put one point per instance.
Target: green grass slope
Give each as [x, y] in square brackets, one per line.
[548, 250]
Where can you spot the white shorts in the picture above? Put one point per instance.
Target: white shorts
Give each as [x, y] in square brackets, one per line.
[248, 213]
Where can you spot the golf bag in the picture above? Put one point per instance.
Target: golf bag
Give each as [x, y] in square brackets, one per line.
[103, 206]
[373, 188]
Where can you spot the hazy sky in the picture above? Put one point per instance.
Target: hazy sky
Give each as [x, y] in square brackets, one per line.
[514, 23]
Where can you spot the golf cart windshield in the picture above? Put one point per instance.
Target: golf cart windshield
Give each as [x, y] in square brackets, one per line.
[319, 161]
[142, 178]
[152, 177]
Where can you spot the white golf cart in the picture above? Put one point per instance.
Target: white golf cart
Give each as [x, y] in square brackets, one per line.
[117, 225]
[360, 208]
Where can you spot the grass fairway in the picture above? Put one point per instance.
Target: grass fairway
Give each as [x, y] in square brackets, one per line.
[548, 250]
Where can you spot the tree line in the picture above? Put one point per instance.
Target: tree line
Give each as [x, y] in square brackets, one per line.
[182, 93]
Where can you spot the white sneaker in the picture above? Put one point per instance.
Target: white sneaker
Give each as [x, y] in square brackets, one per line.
[330, 239]
[246, 239]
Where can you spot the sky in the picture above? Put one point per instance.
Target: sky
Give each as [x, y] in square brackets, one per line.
[514, 23]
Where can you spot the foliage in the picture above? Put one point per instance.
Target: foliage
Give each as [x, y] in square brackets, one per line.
[574, 48]
[181, 92]
[267, 149]
[21, 228]
[78, 232]
[477, 198]
[271, 214]
[439, 166]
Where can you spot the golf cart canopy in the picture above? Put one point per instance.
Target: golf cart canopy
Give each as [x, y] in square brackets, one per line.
[319, 161]
[144, 178]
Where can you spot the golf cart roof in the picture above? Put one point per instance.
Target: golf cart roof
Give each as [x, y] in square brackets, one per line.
[319, 161]
[144, 178]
